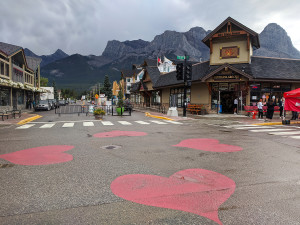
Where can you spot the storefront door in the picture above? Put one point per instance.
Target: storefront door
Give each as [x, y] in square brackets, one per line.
[15, 99]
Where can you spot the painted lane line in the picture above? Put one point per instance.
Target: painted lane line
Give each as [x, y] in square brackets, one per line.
[142, 122]
[68, 125]
[295, 137]
[270, 130]
[286, 133]
[237, 126]
[157, 122]
[49, 125]
[174, 122]
[107, 123]
[26, 126]
[88, 124]
[124, 123]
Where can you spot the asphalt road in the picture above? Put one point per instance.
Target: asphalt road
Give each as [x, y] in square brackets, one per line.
[86, 188]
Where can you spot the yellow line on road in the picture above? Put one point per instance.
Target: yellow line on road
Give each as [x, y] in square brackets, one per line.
[22, 122]
[274, 123]
[157, 117]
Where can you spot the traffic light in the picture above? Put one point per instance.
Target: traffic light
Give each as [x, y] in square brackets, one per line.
[179, 71]
[188, 71]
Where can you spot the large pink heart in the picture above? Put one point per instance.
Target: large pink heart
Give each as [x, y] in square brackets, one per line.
[197, 191]
[211, 145]
[118, 133]
[40, 156]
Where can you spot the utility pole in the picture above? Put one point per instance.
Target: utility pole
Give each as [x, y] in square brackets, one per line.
[185, 84]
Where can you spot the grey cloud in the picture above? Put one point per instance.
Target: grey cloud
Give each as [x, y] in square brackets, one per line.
[85, 26]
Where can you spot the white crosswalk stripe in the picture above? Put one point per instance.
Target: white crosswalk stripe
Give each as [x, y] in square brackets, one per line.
[158, 122]
[295, 137]
[26, 126]
[174, 122]
[107, 123]
[68, 125]
[124, 123]
[88, 124]
[286, 133]
[142, 122]
[49, 125]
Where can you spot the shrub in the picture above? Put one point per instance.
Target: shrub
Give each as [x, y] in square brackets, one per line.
[99, 112]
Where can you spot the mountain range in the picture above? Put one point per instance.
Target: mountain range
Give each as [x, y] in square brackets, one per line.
[80, 72]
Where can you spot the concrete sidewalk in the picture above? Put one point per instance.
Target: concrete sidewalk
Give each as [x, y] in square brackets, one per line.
[26, 116]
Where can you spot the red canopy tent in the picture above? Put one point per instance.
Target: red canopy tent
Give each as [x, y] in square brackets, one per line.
[292, 100]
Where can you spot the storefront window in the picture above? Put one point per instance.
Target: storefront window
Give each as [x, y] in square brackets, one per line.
[20, 97]
[177, 97]
[155, 97]
[4, 96]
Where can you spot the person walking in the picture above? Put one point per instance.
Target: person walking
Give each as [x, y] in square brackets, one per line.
[270, 110]
[235, 105]
[281, 104]
[260, 109]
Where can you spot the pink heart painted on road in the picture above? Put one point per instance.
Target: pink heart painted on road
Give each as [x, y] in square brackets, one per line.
[196, 191]
[43, 155]
[118, 133]
[210, 145]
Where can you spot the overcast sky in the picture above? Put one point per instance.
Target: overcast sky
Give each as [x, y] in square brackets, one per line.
[85, 26]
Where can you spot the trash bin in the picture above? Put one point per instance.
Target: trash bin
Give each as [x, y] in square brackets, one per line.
[220, 108]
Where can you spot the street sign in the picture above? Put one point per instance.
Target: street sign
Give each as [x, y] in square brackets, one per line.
[182, 57]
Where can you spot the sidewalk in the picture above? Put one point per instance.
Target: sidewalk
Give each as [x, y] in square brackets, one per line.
[235, 117]
[11, 121]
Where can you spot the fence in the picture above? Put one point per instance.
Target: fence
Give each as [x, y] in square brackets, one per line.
[89, 109]
[161, 108]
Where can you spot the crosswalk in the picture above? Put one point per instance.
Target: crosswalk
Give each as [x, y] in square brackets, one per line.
[93, 124]
[280, 130]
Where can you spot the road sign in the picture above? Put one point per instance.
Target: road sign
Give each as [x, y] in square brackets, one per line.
[96, 96]
[182, 57]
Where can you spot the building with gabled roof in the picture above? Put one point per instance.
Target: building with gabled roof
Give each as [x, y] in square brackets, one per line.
[232, 72]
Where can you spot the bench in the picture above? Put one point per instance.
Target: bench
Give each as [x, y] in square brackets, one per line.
[193, 108]
[251, 109]
[12, 113]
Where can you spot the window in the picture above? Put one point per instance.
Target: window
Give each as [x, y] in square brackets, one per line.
[4, 96]
[177, 97]
[20, 97]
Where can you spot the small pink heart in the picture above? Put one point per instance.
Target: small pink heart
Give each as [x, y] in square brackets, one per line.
[210, 145]
[118, 133]
[43, 155]
[196, 191]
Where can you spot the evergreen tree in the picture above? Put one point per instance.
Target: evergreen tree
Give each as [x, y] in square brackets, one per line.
[44, 82]
[107, 88]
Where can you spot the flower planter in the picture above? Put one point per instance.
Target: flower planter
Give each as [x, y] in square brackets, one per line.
[98, 117]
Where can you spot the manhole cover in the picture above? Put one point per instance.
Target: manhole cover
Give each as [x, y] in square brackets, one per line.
[6, 165]
[112, 147]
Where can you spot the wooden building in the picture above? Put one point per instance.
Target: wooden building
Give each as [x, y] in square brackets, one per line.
[232, 72]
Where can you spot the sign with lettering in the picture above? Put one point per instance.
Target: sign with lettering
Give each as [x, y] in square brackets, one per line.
[229, 52]
[226, 77]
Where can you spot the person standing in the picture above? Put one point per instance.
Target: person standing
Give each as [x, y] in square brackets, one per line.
[270, 110]
[260, 109]
[281, 104]
[235, 105]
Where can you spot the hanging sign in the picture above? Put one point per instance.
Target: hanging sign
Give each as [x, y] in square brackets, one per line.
[96, 96]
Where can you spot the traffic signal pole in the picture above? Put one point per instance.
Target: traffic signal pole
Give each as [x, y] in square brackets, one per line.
[184, 93]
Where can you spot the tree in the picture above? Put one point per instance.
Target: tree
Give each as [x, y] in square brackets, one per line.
[120, 95]
[44, 82]
[107, 88]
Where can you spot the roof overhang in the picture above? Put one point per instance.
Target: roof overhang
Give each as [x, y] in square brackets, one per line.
[226, 65]
[253, 35]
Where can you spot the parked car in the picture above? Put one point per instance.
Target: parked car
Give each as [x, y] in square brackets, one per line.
[43, 105]
[53, 103]
[62, 102]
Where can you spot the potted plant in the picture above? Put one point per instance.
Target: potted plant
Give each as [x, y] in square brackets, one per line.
[99, 113]
[120, 104]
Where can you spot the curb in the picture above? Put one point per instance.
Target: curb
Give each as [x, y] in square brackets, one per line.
[158, 117]
[274, 123]
[22, 122]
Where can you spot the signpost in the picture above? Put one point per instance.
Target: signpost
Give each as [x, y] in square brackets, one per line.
[183, 57]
